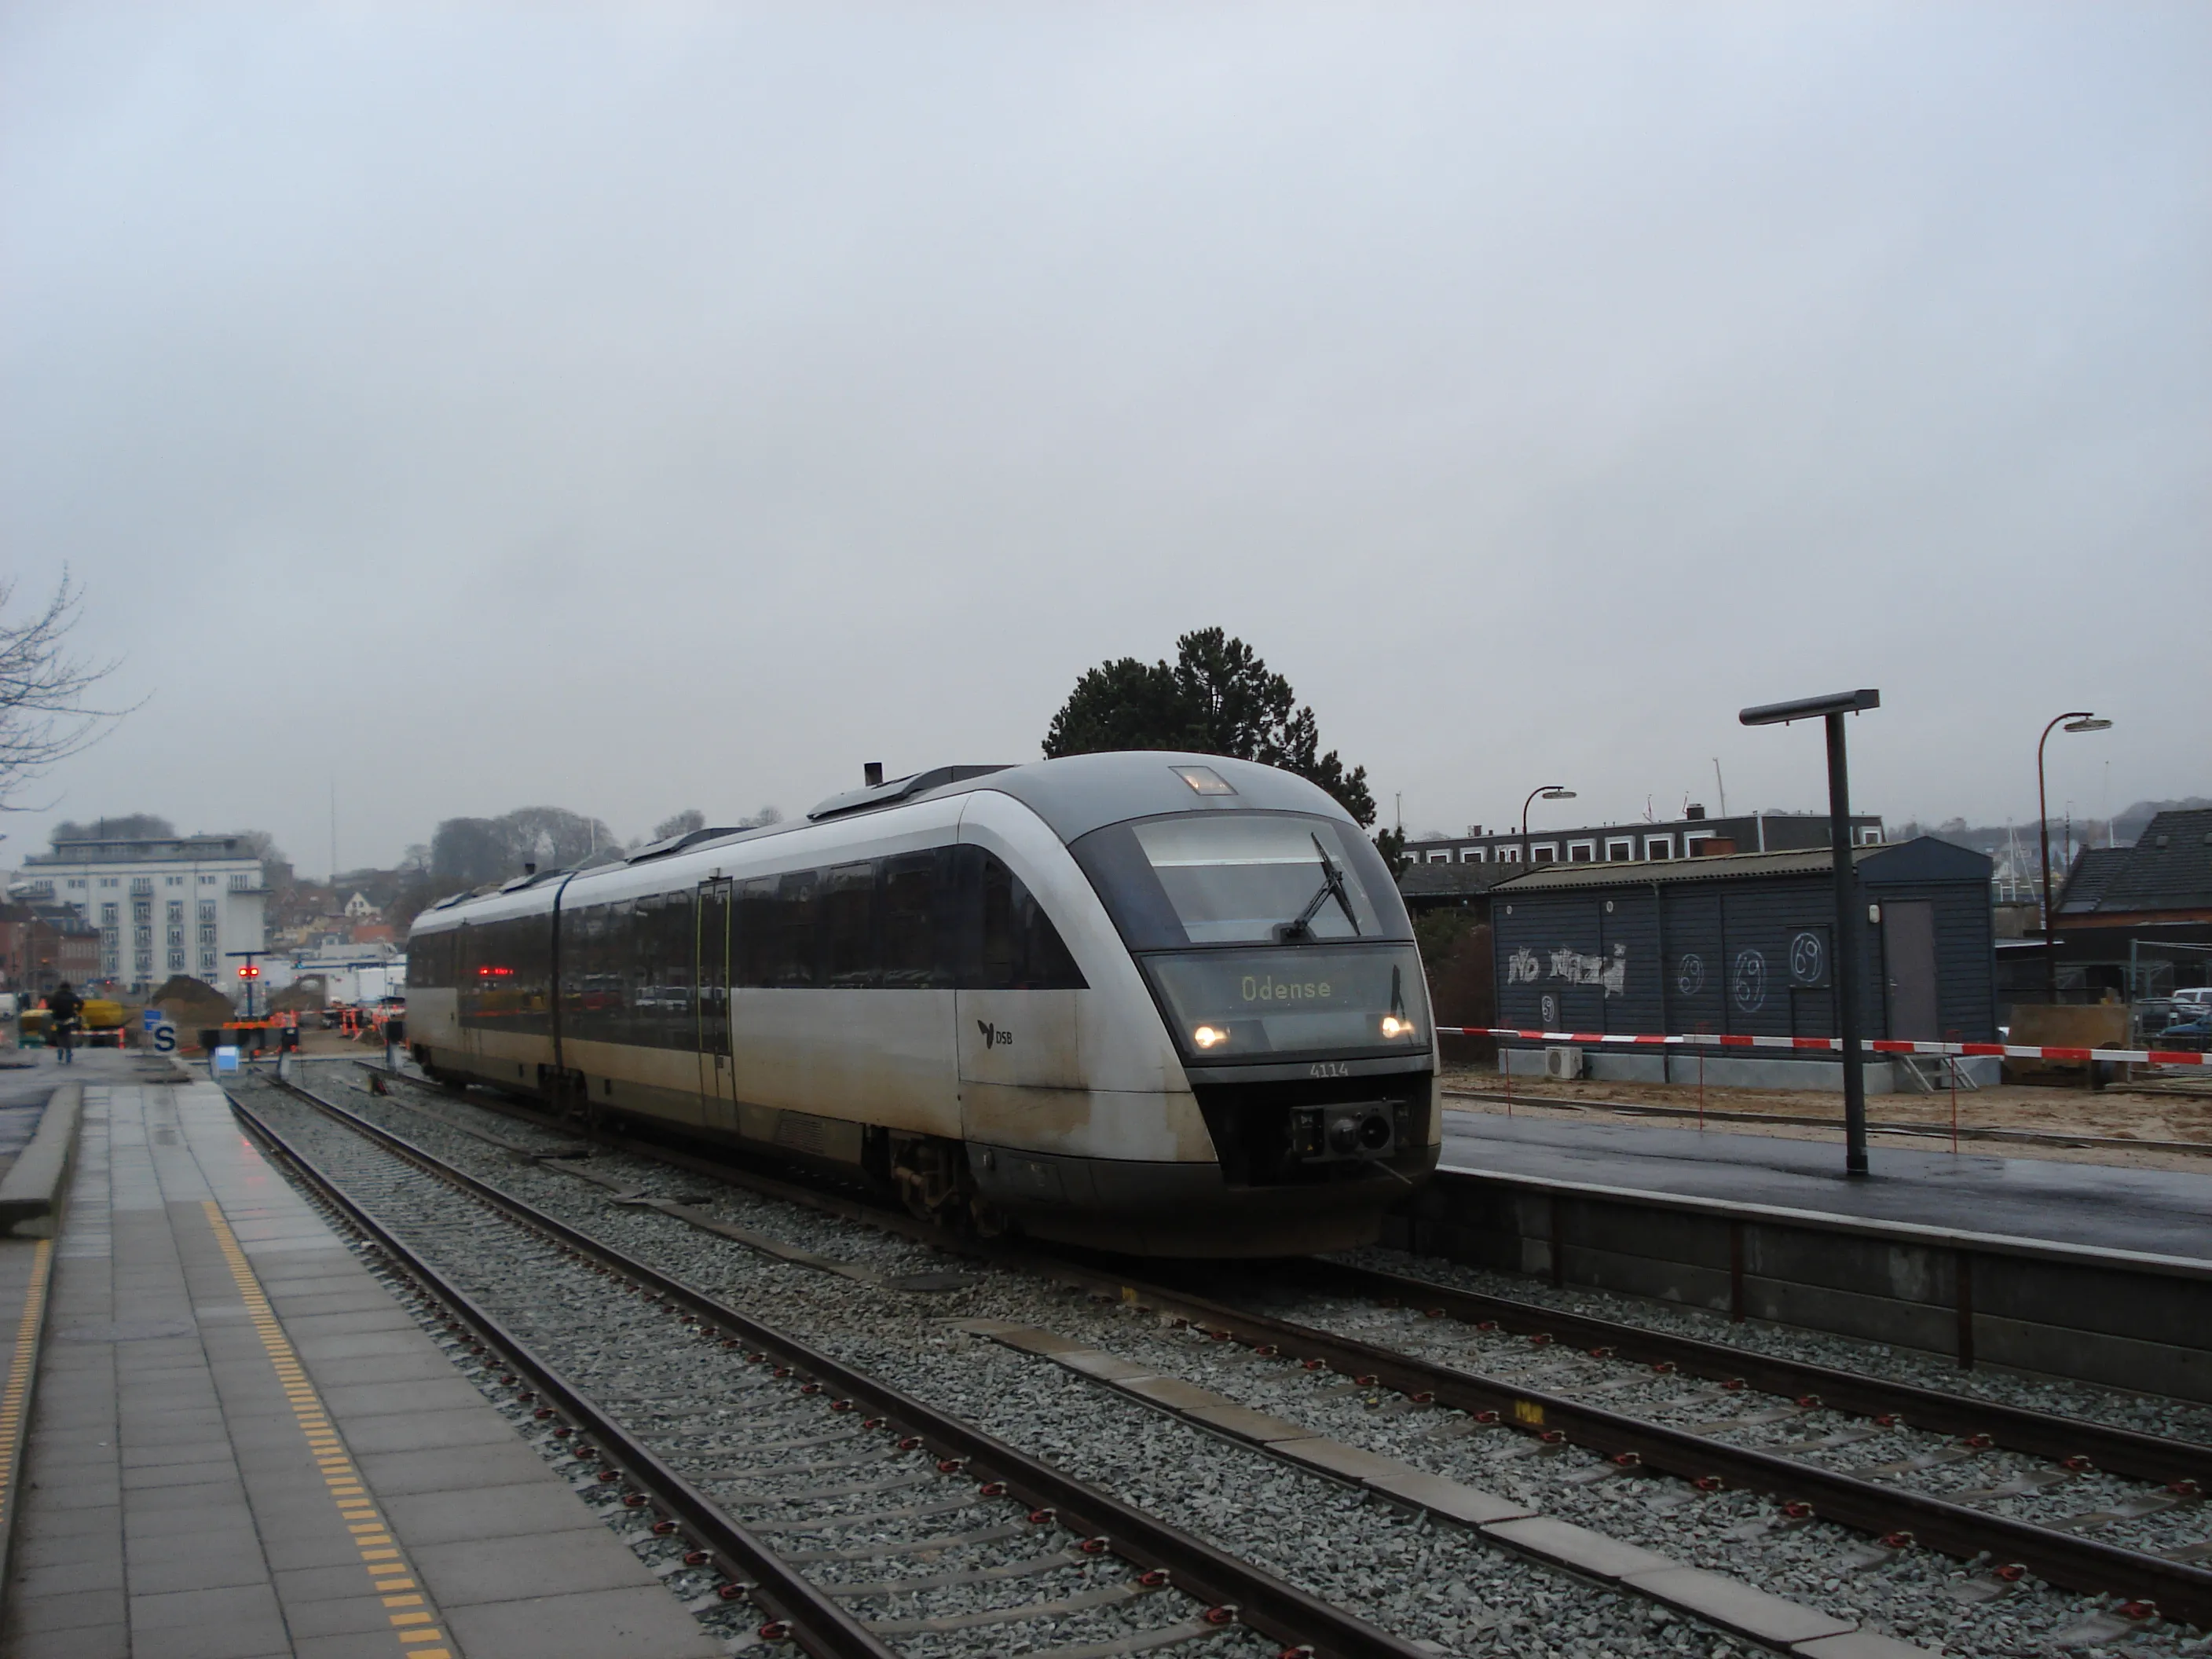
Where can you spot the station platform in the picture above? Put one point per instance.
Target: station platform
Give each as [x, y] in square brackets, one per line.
[241, 1446]
[2152, 1212]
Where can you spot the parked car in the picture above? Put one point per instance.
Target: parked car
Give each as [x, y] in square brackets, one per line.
[2194, 999]
[2194, 1034]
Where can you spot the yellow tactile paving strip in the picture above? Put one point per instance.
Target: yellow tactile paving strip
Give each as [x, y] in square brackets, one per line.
[21, 1365]
[415, 1623]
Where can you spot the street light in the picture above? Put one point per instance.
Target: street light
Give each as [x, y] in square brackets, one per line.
[1831, 709]
[1549, 792]
[2077, 720]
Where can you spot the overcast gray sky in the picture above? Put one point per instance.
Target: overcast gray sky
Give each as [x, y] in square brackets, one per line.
[636, 407]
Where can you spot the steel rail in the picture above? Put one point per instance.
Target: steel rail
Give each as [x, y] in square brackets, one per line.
[2178, 1589]
[1256, 1598]
[2055, 1436]
[2062, 1558]
[2115, 1450]
[816, 1622]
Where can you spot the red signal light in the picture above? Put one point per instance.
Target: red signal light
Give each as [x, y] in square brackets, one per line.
[249, 971]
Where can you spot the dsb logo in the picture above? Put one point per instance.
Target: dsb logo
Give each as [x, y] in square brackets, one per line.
[992, 1037]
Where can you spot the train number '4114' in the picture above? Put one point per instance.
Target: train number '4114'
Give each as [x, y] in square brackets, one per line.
[1328, 1069]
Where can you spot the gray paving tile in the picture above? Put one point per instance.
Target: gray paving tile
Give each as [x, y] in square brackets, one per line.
[467, 1571]
[646, 1620]
[84, 1642]
[352, 1401]
[299, 1549]
[31, 1614]
[200, 1496]
[196, 1472]
[198, 1448]
[73, 1451]
[79, 1410]
[297, 1293]
[163, 1428]
[331, 1584]
[392, 1473]
[47, 1551]
[360, 1298]
[527, 1509]
[345, 1616]
[174, 1388]
[326, 1356]
[355, 1644]
[233, 1516]
[318, 1328]
[81, 1490]
[423, 1364]
[468, 1426]
[185, 1561]
[207, 1624]
[157, 1357]
[91, 1569]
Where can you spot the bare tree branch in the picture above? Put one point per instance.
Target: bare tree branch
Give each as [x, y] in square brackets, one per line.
[46, 712]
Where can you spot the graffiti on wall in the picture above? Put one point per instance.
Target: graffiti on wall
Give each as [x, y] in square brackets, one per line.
[1525, 966]
[1748, 981]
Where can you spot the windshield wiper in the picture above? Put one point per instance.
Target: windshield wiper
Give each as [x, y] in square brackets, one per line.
[1331, 886]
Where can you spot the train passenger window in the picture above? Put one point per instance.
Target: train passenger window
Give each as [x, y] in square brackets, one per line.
[1022, 951]
[673, 970]
[914, 918]
[797, 907]
[641, 972]
[847, 901]
[753, 948]
[585, 1005]
[618, 969]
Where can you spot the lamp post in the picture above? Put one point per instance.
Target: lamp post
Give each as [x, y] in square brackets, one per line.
[1549, 792]
[1831, 710]
[2077, 720]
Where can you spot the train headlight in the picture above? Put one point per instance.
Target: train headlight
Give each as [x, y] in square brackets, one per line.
[1395, 1027]
[1209, 1036]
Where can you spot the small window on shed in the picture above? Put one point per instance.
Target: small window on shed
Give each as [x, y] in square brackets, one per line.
[1621, 849]
[1444, 857]
[1508, 855]
[1658, 847]
[1474, 854]
[1582, 852]
[1546, 852]
[1870, 837]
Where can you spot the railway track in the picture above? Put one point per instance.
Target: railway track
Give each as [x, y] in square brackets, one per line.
[858, 1520]
[1922, 1433]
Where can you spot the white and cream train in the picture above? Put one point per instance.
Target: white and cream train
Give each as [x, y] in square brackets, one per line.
[1159, 1003]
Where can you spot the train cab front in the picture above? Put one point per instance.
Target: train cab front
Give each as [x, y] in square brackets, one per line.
[1281, 961]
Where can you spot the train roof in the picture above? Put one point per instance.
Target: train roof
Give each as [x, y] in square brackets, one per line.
[1074, 795]
[1078, 793]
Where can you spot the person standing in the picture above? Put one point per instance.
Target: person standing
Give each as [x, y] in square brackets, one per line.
[64, 1005]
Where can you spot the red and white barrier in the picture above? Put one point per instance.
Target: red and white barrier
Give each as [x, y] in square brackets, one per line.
[1834, 1045]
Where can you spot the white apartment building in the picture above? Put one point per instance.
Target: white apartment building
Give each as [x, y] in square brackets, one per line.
[177, 905]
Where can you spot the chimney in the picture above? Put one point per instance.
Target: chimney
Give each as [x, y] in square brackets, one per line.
[1695, 813]
[529, 869]
[871, 773]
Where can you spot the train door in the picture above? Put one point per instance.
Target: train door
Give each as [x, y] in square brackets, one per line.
[718, 1096]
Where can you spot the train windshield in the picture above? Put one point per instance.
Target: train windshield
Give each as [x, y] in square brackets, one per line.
[1242, 879]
